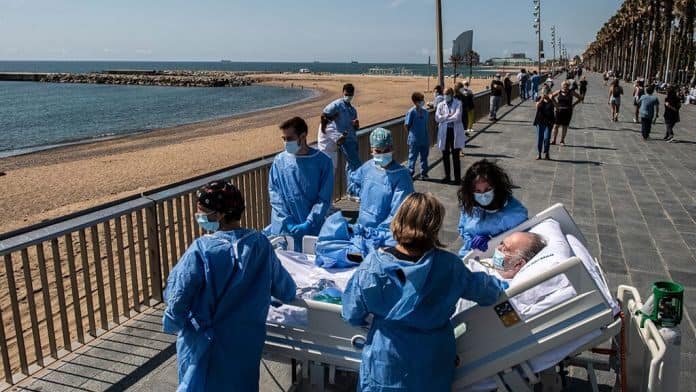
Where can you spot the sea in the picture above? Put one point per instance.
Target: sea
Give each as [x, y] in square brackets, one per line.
[35, 116]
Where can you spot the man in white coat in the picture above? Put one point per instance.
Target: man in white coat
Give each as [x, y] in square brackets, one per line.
[450, 135]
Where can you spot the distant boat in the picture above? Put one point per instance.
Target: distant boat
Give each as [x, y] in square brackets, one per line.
[225, 61]
[305, 70]
[353, 62]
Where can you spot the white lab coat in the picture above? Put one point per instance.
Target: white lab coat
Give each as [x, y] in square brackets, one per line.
[326, 141]
[447, 116]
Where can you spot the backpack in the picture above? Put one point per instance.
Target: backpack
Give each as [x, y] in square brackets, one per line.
[616, 91]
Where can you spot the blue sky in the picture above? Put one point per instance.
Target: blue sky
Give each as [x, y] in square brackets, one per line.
[284, 30]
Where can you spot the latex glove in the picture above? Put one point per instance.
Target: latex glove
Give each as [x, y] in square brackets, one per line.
[480, 242]
[301, 229]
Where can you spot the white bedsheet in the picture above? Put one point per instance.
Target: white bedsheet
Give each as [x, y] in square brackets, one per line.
[306, 274]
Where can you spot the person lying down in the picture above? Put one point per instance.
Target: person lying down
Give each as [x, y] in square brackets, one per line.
[521, 256]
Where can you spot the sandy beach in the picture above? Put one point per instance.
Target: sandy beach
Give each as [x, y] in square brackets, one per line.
[47, 184]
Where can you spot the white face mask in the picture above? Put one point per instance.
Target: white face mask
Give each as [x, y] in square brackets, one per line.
[347, 98]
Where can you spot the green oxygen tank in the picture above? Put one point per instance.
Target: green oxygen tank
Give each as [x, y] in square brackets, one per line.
[665, 305]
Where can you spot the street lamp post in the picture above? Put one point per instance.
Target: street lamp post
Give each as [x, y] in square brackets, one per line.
[440, 59]
[553, 44]
[537, 28]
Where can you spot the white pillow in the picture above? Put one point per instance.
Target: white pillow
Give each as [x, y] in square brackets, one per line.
[554, 290]
[594, 270]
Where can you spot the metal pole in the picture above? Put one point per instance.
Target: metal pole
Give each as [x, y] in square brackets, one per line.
[539, 41]
[438, 30]
[669, 52]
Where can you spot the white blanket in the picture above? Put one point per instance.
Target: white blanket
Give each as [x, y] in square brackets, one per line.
[302, 269]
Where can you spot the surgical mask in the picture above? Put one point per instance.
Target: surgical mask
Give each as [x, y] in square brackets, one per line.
[292, 146]
[382, 159]
[448, 98]
[484, 198]
[498, 260]
[347, 98]
[205, 224]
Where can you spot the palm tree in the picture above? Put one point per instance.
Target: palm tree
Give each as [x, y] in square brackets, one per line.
[456, 60]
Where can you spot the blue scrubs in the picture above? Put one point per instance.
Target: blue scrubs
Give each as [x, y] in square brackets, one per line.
[300, 189]
[381, 191]
[217, 304]
[416, 122]
[410, 345]
[344, 124]
[484, 222]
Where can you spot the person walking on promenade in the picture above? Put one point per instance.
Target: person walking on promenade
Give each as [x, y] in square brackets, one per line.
[450, 135]
[583, 87]
[615, 93]
[564, 110]
[497, 88]
[544, 120]
[508, 88]
[347, 123]
[535, 80]
[638, 91]
[463, 93]
[416, 124]
[522, 80]
[672, 106]
[649, 111]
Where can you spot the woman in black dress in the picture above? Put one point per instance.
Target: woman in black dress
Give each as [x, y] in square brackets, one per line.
[672, 105]
[564, 110]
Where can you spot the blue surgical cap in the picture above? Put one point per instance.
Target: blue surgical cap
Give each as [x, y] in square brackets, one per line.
[380, 138]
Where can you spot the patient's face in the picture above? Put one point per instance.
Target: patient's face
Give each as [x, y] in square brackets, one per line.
[512, 246]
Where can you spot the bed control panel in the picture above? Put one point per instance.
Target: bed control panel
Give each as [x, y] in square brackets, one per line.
[507, 314]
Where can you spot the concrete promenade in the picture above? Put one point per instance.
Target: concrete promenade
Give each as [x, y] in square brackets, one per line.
[635, 202]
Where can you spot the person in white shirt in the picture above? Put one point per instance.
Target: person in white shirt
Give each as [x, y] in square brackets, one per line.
[450, 134]
[328, 136]
[692, 95]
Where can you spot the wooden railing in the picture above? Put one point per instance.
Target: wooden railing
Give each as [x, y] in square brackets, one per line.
[71, 279]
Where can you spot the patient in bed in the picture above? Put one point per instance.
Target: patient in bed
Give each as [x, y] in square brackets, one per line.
[512, 255]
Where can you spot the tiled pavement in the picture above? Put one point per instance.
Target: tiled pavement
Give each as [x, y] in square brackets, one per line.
[634, 201]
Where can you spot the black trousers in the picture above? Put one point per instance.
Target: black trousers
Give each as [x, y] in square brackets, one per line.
[452, 152]
[508, 94]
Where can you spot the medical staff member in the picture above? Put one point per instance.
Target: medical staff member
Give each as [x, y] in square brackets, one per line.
[218, 294]
[411, 291]
[487, 206]
[450, 134]
[347, 123]
[300, 185]
[416, 124]
[381, 183]
[328, 136]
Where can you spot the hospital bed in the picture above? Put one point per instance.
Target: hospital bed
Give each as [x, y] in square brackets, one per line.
[497, 346]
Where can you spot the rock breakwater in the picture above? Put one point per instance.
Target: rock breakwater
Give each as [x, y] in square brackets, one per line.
[155, 78]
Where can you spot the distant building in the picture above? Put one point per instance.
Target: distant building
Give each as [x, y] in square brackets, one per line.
[518, 56]
[463, 44]
[504, 61]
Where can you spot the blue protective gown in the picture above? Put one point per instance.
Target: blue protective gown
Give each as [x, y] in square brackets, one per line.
[344, 124]
[381, 192]
[484, 222]
[410, 345]
[300, 189]
[217, 304]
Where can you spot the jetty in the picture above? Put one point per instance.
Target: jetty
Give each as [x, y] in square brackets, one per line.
[180, 78]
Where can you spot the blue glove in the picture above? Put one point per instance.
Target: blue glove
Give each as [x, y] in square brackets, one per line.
[301, 229]
[505, 285]
[480, 242]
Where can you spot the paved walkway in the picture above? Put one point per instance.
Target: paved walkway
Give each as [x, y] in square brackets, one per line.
[635, 202]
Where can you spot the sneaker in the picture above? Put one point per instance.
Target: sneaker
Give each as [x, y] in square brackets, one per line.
[547, 157]
[671, 139]
[562, 143]
[538, 157]
[666, 137]
[446, 180]
[424, 177]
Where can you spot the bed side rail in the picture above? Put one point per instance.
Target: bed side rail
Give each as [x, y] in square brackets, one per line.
[496, 338]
